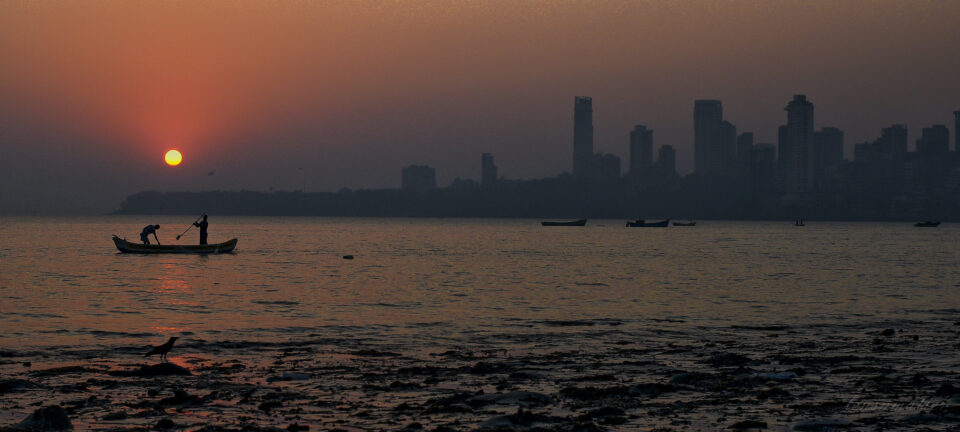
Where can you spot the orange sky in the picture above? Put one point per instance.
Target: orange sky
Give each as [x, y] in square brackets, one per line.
[319, 95]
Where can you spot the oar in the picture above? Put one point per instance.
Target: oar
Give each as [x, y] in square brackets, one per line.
[188, 228]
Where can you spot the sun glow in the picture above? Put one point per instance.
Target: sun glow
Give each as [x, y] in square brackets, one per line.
[173, 158]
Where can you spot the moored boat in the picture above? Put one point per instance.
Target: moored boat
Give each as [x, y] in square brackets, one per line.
[927, 224]
[642, 223]
[129, 247]
[578, 222]
[687, 223]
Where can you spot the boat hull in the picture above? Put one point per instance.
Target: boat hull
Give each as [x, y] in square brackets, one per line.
[927, 224]
[644, 224]
[578, 222]
[129, 247]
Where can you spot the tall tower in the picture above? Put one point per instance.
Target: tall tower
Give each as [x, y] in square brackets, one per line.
[799, 157]
[641, 149]
[707, 118]
[583, 137]
[956, 131]
[488, 170]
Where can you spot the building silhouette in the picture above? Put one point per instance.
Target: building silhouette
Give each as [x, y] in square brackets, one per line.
[828, 155]
[641, 150]
[666, 161]
[956, 131]
[893, 142]
[798, 157]
[744, 146]
[583, 160]
[418, 178]
[488, 170]
[707, 119]
[606, 168]
[934, 140]
[728, 146]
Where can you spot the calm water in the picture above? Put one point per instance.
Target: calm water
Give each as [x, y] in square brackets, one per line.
[435, 282]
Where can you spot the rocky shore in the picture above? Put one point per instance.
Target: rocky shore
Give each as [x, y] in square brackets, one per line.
[556, 376]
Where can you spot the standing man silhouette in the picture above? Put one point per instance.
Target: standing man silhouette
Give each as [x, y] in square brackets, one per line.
[203, 229]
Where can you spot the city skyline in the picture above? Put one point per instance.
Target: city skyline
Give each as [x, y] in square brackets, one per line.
[321, 96]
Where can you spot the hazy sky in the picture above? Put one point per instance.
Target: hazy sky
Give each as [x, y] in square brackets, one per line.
[329, 94]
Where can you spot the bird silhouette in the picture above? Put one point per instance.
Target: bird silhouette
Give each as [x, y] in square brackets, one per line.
[162, 349]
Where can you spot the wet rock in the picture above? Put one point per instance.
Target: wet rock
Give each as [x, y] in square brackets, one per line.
[524, 399]
[164, 424]
[298, 428]
[607, 415]
[947, 389]
[725, 359]
[269, 405]
[651, 389]
[822, 425]
[888, 332]
[374, 353]
[289, 376]
[593, 393]
[48, 418]
[519, 419]
[116, 415]
[181, 398]
[64, 370]
[160, 369]
[748, 424]
[777, 376]
[14, 385]
[922, 418]
[686, 378]
[455, 403]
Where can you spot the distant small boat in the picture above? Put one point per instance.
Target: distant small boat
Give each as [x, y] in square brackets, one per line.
[642, 223]
[687, 223]
[128, 247]
[578, 222]
[927, 224]
[799, 222]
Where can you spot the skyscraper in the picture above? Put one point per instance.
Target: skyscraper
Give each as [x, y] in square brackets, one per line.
[488, 170]
[727, 146]
[828, 153]
[744, 146]
[799, 158]
[641, 150]
[582, 137]
[956, 131]
[707, 119]
[667, 160]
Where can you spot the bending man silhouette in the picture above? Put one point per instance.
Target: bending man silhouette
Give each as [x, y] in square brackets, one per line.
[203, 229]
[147, 230]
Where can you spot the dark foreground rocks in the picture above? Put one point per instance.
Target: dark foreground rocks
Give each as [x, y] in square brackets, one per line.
[574, 376]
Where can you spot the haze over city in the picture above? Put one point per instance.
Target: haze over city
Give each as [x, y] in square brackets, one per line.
[319, 96]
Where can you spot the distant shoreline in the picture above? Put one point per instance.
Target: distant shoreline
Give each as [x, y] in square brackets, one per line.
[514, 203]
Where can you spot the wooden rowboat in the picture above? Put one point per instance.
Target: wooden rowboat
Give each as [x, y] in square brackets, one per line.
[129, 247]
[645, 224]
[578, 222]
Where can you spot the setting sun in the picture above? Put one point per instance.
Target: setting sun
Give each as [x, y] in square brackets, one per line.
[173, 158]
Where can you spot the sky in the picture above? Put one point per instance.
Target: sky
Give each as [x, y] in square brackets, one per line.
[320, 95]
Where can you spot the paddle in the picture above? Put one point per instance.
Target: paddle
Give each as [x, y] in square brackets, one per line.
[188, 228]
